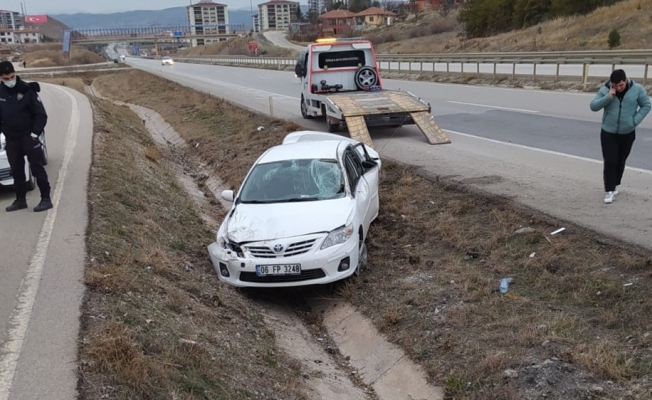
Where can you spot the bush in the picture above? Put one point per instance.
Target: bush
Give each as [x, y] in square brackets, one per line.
[614, 39]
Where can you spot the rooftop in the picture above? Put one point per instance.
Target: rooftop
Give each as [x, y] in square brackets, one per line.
[338, 14]
[374, 11]
[206, 3]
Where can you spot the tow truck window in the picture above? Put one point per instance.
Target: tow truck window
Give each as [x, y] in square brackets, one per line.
[341, 59]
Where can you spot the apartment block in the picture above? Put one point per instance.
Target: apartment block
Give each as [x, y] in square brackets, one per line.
[277, 15]
[22, 36]
[11, 20]
[207, 18]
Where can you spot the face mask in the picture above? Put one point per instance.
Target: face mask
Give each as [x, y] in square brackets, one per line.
[10, 84]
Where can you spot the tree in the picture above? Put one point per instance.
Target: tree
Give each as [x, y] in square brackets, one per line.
[614, 39]
[299, 14]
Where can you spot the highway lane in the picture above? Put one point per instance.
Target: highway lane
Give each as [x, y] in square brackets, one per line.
[553, 121]
[42, 262]
[516, 150]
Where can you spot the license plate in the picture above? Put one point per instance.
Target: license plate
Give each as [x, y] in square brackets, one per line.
[283, 269]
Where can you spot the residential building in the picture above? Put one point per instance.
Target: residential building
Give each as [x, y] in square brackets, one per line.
[207, 18]
[277, 15]
[374, 17]
[337, 21]
[21, 36]
[11, 20]
[319, 6]
[255, 23]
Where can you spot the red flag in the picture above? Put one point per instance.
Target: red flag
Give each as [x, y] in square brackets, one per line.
[36, 19]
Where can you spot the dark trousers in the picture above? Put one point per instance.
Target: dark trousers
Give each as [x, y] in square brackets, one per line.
[615, 150]
[16, 151]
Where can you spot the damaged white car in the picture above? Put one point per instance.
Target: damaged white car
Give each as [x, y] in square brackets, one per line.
[302, 214]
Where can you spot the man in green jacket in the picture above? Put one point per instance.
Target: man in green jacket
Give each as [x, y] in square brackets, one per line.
[625, 104]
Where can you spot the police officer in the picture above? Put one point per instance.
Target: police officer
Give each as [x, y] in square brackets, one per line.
[22, 119]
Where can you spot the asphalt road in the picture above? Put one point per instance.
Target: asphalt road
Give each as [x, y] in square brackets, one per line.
[539, 147]
[43, 257]
[279, 38]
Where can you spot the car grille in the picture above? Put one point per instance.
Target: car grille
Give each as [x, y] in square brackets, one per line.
[305, 276]
[292, 250]
[5, 174]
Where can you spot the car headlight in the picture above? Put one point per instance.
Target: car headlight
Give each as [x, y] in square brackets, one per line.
[338, 236]
[221, 242]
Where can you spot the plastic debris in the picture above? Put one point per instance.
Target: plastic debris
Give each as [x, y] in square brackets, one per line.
[560, 230]
[260, 128]
[533, 255]
[504, 285]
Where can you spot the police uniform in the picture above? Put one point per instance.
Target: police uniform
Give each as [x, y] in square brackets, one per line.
[22, 119]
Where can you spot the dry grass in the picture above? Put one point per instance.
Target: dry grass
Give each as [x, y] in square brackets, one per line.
[51, 55]
[201, 119]
[588, 32]
[437, 252]
[157, 324]
[238, 46]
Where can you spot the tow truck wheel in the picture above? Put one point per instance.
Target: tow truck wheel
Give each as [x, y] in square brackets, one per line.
[365, 78]
[333, 128]
[304, 109]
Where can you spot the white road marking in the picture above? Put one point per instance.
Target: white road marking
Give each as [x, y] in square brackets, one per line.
[556, 153]
[496, 107]
[20, 317]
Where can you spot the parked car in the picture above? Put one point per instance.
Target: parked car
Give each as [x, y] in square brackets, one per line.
[6, 176]
[302, 214]
[167, 61]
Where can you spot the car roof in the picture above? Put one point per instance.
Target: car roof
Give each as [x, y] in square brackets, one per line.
[323, 149]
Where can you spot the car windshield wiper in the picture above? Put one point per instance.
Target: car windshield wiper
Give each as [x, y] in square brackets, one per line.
[297, 200]
[257, 201]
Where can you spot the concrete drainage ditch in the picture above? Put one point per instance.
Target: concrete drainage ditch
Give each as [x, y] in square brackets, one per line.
[363, 365]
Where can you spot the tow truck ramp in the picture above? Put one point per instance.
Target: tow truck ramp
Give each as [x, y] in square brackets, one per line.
[386, 108]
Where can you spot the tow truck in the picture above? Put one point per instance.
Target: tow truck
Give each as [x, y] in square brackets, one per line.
[340, 81]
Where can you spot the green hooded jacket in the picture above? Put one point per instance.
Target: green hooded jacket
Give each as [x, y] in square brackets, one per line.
[622, 116]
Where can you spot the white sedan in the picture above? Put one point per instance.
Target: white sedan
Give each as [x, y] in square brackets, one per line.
[302, 214]
[167, 61]
[6, 177]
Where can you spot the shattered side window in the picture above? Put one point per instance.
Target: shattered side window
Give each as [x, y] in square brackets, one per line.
[293, 180]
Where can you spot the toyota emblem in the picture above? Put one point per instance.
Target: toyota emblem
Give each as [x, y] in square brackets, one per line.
[278, 248]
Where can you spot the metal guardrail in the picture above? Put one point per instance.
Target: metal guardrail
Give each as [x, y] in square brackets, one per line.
[481, 63]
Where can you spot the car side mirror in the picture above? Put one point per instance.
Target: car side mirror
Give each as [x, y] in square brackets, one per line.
[228, 195]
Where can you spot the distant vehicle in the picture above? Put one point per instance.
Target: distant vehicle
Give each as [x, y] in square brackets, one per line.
[123, 58]
[302, 214]
[167, 61]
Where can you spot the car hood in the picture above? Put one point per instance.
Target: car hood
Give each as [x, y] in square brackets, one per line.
[260, 222]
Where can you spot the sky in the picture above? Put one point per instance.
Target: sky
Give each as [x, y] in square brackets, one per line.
[35, 7]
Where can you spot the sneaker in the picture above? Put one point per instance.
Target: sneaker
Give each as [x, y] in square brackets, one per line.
[609, 197]
[17, 205]
[45, 204]
[616, 192]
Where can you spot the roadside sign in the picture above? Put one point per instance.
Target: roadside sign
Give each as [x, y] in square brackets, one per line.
[253, 46]
[178, 34]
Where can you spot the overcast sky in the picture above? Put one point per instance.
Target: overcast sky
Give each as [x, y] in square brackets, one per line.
[36, 7]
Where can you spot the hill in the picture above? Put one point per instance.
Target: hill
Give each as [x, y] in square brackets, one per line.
[53, 29]
[168, 16]
[631, 18]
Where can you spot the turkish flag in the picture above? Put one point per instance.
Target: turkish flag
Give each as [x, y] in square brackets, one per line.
[36, 19]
